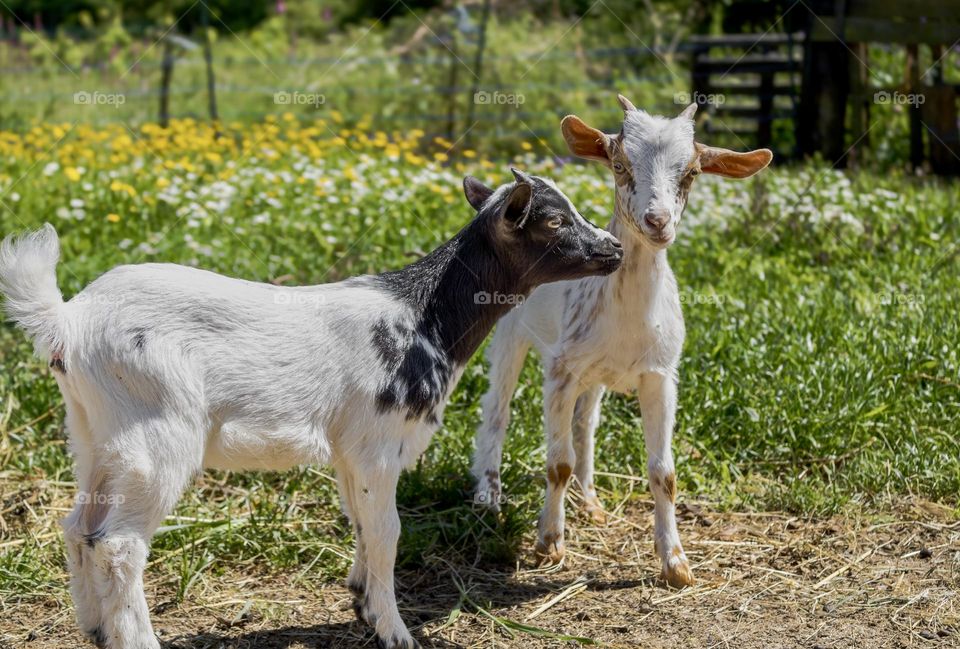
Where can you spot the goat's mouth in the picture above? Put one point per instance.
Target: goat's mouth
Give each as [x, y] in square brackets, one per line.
[660, 239]
[605, 263]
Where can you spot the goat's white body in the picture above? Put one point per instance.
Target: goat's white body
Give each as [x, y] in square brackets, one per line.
[304, 382]
[640, 332]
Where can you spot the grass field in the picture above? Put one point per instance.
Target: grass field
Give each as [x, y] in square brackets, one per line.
[820, 373]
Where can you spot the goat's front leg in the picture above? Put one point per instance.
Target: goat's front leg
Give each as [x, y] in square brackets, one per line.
[658, 404]
[357, 579]
[560, 392]
[586, 418]
[378, 525]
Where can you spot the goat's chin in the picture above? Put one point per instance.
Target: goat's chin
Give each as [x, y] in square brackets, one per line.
[659, 242]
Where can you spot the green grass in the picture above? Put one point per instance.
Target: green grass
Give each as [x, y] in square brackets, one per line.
[820, 370]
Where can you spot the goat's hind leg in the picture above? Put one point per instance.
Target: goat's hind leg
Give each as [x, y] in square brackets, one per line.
[506, 354]
[560, 393]
[141, 486]
[586, 418]
[86, 516]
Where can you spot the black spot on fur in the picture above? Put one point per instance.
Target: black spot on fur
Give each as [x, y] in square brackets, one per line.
[94, 537]
[389, 346]
[57, 364]
[97, 637]
[139, 338]
[358, 609]
[356, 589]
[418, 376]
[387, 398]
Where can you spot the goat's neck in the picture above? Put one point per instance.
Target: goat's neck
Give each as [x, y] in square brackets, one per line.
[448, 291]
[645, 273]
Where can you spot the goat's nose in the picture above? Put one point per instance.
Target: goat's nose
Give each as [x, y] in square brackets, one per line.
[616, 244]
[657, 219]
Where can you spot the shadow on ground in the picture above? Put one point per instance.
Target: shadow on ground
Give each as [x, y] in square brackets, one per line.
[436, 595]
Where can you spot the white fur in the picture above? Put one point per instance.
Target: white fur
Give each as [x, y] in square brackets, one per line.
[623, 332]
[28, 280]
[169, 370]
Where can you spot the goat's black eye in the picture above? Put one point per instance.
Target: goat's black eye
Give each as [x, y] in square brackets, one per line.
[618, 167]
[694, 172]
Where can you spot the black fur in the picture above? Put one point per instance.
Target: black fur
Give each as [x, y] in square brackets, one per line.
[98, 637]
[94, 537]
[507, 250]
[139, 338]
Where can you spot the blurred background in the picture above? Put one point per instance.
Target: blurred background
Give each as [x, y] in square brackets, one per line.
[860, 81]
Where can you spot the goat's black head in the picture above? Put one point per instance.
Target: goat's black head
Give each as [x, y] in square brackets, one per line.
[539, 234]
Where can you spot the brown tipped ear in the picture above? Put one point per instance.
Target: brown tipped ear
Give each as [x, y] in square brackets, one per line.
[584, 141]
[476, 192]
[730, 164]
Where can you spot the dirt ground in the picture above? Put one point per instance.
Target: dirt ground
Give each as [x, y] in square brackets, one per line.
[765, 580]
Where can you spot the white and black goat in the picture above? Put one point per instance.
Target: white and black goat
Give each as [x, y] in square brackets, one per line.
[166, 370]
[623, 332]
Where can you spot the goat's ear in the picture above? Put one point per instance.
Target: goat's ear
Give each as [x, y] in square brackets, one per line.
[625, 104]
[689, 112]
[516, 208]
[476, 192]
[730, 164]
[585, 141]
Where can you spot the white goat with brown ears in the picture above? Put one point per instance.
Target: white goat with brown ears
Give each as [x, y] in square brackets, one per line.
[623, 332]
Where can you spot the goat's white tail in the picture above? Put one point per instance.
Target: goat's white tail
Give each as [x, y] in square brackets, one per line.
[28, 279]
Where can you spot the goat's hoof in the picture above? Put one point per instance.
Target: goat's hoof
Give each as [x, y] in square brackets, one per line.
[678, 575]
[597, 515]
[364, 614]
[594, 509]
[396, 642]
[549, 549]
[97, 637]
[355, 587]
[487, 499]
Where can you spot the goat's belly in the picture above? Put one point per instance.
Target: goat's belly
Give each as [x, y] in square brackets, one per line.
[237, 446]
